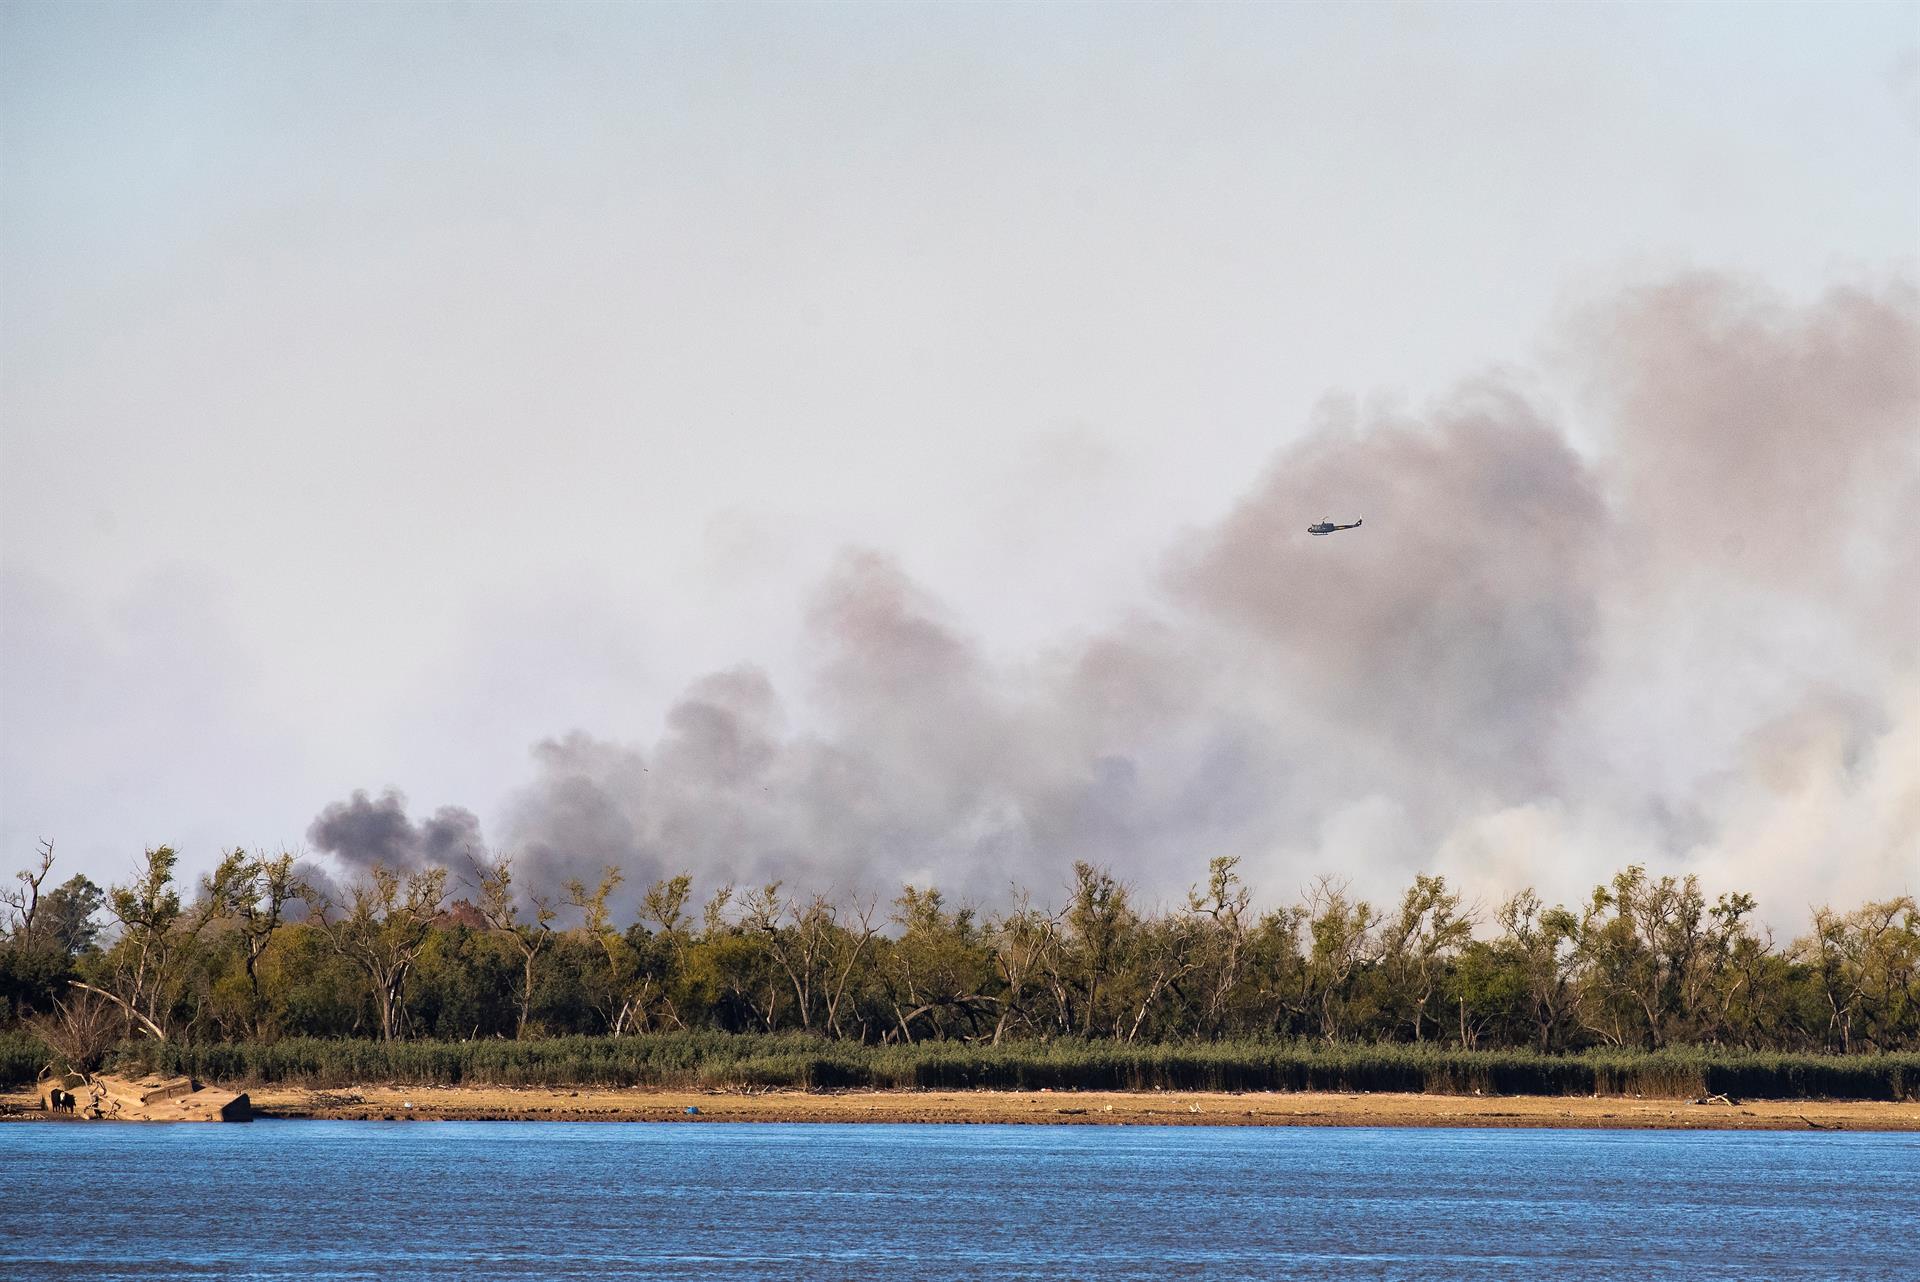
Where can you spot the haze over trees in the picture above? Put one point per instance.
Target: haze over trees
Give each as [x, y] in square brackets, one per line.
[255, 954]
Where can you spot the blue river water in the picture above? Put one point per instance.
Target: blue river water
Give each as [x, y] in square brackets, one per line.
[318, 1201]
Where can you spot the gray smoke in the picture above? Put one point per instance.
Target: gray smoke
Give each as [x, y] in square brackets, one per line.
[1279, 679]
[361, 832]
[322, 888]
[1690, 641]
[1456, 626]
[1760, 442]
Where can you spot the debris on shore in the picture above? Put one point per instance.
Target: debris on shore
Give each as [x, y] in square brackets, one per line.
[109, 1098]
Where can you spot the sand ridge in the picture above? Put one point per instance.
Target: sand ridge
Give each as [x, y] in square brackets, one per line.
[1180, 1108]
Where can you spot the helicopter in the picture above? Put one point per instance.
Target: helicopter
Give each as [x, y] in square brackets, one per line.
[1328, 527]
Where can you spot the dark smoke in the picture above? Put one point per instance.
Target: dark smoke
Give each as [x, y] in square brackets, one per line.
[361, 832]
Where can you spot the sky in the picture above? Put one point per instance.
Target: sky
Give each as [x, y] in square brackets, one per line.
[859, 443]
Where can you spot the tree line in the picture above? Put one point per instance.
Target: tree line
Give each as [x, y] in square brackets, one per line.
[254, 954]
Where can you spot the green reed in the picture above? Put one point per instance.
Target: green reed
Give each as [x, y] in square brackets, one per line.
[703, 1059]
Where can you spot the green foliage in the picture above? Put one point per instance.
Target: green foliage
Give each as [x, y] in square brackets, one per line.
[22, 1056]
[31, 977]
[68, 914]
[928, 990]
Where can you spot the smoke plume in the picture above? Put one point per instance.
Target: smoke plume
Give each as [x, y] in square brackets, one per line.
[361, 832]
[1689, 640]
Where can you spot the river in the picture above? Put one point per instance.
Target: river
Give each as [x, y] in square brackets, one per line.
[318, 1201]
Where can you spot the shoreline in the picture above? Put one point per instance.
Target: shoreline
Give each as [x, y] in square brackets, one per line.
[1153, 1108]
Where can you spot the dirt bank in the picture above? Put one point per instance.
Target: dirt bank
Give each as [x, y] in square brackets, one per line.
[484, 1103]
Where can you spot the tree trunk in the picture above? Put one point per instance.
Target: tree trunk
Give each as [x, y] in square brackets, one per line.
[152, 1028]
[526, 994]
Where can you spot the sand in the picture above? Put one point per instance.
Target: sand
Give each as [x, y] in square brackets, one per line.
[485, 1103]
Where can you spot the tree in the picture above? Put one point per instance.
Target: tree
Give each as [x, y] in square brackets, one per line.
[1340, 932]
[1651, 962]
[155, 937]
[1420, 941]
[1714, 968]
[67, 915]
[812, 948]
[732, 971]
[934, 973]
[384, 930]
[796, 953]
[1222, 942]
[1157, 954]
[1097, 916]
[663, 960]
[253, 892]
[596, 920]
[23, 905]
[80, 1030]
[40, 933]
[500, 908]
[1648, 961]
[1867, 964]
[1542, 943]
[642, 981]
[1027, 950]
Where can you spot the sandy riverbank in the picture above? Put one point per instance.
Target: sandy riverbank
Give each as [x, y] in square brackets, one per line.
[484, 1103]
